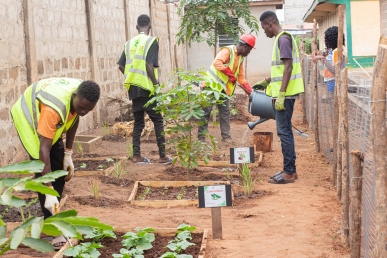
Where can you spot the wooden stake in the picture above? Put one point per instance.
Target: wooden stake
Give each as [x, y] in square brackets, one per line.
[216, 214]
[355, 196]
[379, 146]
[345, 158]
[315, 84]
[338, 135]
[340, 17]
[302, 56]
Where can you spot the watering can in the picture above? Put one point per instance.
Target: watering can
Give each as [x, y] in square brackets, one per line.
[260, 105]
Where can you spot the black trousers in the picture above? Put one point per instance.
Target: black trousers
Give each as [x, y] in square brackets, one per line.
[139, 124]
[56, 159]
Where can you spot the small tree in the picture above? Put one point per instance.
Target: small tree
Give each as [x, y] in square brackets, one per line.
[184, 105]
[28, 233]
[205, 20]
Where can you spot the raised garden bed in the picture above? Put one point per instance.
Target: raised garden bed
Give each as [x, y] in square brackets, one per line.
[86, 143]
[92, 166]
[162, 237]
[163, 194]
[223, 160]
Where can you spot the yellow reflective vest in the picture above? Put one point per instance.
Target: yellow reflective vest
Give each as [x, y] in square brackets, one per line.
[296, 84]
[218, 80]
[55, 93]
[135, 72]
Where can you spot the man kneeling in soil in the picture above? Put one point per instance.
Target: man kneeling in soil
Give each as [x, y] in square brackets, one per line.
[46, 110]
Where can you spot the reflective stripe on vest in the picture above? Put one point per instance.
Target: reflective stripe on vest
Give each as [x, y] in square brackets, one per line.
[135, 65]
[55, 93]
[219, 81]
[296, 84]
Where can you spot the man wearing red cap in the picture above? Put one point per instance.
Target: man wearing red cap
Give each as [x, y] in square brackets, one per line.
[225, 71]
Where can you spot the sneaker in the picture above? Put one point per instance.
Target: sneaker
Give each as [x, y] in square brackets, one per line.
[140, 160]
[165, 160]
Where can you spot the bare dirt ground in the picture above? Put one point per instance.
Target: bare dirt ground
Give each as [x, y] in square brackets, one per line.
[301, 219]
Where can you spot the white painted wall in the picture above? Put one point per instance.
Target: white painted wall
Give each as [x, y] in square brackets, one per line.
[294, 11]
[200, 55]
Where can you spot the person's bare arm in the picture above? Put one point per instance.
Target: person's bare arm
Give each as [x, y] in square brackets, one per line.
[44, 155]
[70, 134]
[288, 63]
[151, 73]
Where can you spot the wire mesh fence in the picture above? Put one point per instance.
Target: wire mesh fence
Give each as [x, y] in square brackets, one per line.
[359, 119]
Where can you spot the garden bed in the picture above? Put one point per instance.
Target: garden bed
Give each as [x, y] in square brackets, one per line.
[92, 166]
[162, 237]
[158, 199]
[223, 160]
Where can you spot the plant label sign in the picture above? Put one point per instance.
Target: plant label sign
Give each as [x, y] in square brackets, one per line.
[214, 196]
[242, 155]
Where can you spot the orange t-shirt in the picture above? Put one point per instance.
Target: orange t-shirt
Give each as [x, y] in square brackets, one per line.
[48, 121]
[223, 57]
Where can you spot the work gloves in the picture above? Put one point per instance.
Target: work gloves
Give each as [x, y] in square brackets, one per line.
[51, 203]
[279, 103]
[68, 164]
[246, 87]
[231, 77]
[261, 85]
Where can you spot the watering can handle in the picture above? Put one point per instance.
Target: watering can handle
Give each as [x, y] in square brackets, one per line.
[249, 107]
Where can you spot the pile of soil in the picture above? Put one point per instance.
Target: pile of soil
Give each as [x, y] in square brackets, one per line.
[114, 138]
[166, 193]
[113, 246]
[115, 181]
[13, 214]
[92, 165]
[100, 202]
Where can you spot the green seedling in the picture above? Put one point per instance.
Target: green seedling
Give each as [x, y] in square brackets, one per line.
[106, 128]
[129, 149]
[125, 253]
[101, 167]
[31, 202]
[118, 170]
[84, 250]
[82, 165]
[248, 182]
[98, 234]
[79, 148]
[181, 193]
[94, 188]
[180, 243]
[109, 160]
[141, 240]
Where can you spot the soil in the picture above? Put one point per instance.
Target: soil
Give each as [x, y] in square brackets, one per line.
[114, 138]
[240, 104]
[301, 219]
[165, 193]
[113, 246]
[100, 202]
[14, 215]
[92, 165]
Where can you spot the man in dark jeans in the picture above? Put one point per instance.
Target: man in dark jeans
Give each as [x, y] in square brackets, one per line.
[139, 62]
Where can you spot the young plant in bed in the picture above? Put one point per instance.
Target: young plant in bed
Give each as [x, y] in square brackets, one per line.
[180, 243]
[183, 103]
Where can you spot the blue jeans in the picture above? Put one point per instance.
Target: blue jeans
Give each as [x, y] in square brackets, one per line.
[283, 121]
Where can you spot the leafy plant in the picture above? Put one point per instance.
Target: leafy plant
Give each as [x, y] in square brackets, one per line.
[247, 179]
[129, 149]
[88, 249]
[109, 160]
[219, 20]
[98, 234]
[181, 193]
[106, 128]
[180, 243]
[118, 170]
[141, 240]
[79, 148]
[82, 165]
[31, 202]
[184, 105]
[132, 253]
[94, 188]
[66, 223]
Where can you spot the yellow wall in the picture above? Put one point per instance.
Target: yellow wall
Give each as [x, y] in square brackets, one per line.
[365, 21]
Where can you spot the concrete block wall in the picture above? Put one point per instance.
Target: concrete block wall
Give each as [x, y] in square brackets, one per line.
[78, 38]
[13, 79]
[179, 52]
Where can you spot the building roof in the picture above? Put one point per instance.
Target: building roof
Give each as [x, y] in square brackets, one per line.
[319, 9]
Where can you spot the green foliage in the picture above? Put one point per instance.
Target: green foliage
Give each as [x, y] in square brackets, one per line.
[204, 20]
[129, 149]
[132, 253]
[247, 179]
[83, 250]
[183, 105]
[94, 188]
[141, 240]
[106, 128]
[66, 223]
[98, 234]
[180, 243]
[308, 44]
[79, 148]
[118, 170]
